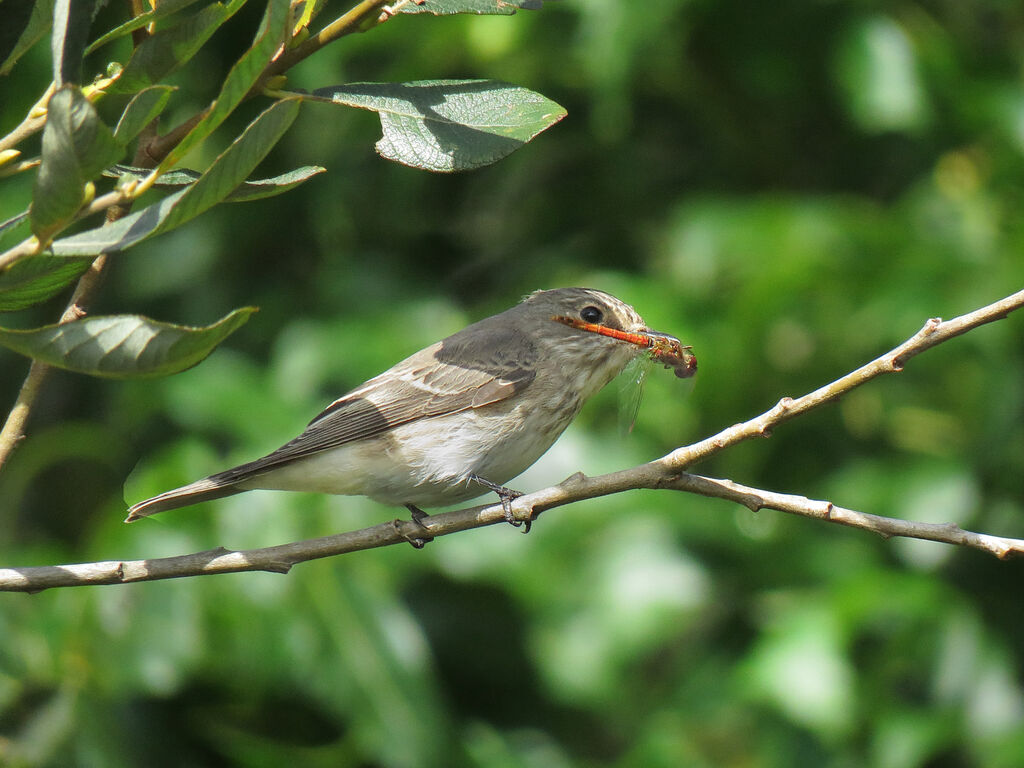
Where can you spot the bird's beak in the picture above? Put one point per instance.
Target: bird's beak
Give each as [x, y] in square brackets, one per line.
[663, 347]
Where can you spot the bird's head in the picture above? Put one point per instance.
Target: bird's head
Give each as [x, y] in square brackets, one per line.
[590, 322]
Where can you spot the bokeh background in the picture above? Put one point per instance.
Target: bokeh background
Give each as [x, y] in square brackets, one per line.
[793, 188]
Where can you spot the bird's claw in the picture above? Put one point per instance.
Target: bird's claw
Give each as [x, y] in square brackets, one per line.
[418, 516]
[506, 495]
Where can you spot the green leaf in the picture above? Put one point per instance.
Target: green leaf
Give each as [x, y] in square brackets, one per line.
[168, 49]
[31, 281]
[17, 15]
[489, 7]
[235, 163]
[120, 234]
[12, 222]
[123, 346]
[240, 79]
[71, 20]
[254, 189]
[165, 8]
[257, 189]
[76, 147]
[38, 25]
[227, 172]
[449, 125]
[141, 111]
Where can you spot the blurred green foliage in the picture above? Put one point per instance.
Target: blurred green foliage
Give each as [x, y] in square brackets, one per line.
[791, 187]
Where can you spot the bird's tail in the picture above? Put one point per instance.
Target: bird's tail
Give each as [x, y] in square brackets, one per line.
[207, 489]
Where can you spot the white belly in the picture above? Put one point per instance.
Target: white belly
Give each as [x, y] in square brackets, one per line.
[428, 462]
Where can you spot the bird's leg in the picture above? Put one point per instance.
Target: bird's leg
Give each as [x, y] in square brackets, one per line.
[506, 495]
[418, 516]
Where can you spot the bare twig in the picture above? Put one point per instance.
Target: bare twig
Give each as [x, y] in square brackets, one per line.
[14, 427]
[935, 331]
[755, 499]
[280, 558]
[349, 22]
[663, 473]
[33, 122]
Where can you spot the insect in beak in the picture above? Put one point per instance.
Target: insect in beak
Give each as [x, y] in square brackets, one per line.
[664, 348]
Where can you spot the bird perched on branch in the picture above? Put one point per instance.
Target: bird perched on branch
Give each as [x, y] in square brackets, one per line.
[460, 417]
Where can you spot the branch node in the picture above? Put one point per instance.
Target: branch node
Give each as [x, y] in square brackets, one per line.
[572, 480]
[276, 566]
[417, 542]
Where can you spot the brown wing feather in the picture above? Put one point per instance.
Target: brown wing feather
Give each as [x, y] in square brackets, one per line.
[494, 363]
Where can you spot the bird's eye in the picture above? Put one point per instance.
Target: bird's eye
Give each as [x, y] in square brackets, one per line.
[591, 315]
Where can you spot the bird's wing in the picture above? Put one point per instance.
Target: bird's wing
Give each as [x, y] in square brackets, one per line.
[451, 376]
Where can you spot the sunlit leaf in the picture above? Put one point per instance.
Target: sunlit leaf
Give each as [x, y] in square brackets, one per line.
[76, 147]
[235, 163]
[31, 281]
[12, 222]
[165, 8]
[449, 125]
[141, 111]
[227, 172]
[71, 20]
[168, 49]
[254, 189]
[39, 23]
[17, 16]
[123, 346]
[239, 80]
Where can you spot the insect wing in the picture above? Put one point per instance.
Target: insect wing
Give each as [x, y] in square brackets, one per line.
[631, 391]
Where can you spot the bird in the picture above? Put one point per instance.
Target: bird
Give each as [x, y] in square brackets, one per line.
[462, 416]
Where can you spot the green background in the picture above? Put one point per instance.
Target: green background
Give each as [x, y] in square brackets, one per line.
[791, 187]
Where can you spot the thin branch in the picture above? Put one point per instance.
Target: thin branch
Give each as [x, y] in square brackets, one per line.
[351, 21]
[33, 122]
[13, 431]
[887, 527]
[14, 427]
[663, 473]
[934, 332]
[281, 558]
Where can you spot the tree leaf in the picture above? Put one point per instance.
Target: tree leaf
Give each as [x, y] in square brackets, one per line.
[235, 163]
[141, 111]
[76, 147]
[123, 346]
[31, 281]
[168, 49]
[227, 172]
[254, 189]
[165, 8]
[489, 7]
[17, 15]
[38, 25]
[118, 235]
[71, 20]
[13, 222]
[449, 125]
[240, 79]
[257, 189]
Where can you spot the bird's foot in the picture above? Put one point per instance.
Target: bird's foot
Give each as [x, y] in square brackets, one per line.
[506, 495]
[418, 516]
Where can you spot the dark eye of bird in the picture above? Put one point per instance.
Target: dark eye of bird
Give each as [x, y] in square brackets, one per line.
[591, 315]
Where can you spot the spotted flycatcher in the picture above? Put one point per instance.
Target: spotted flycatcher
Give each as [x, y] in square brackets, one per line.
[460, 417]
